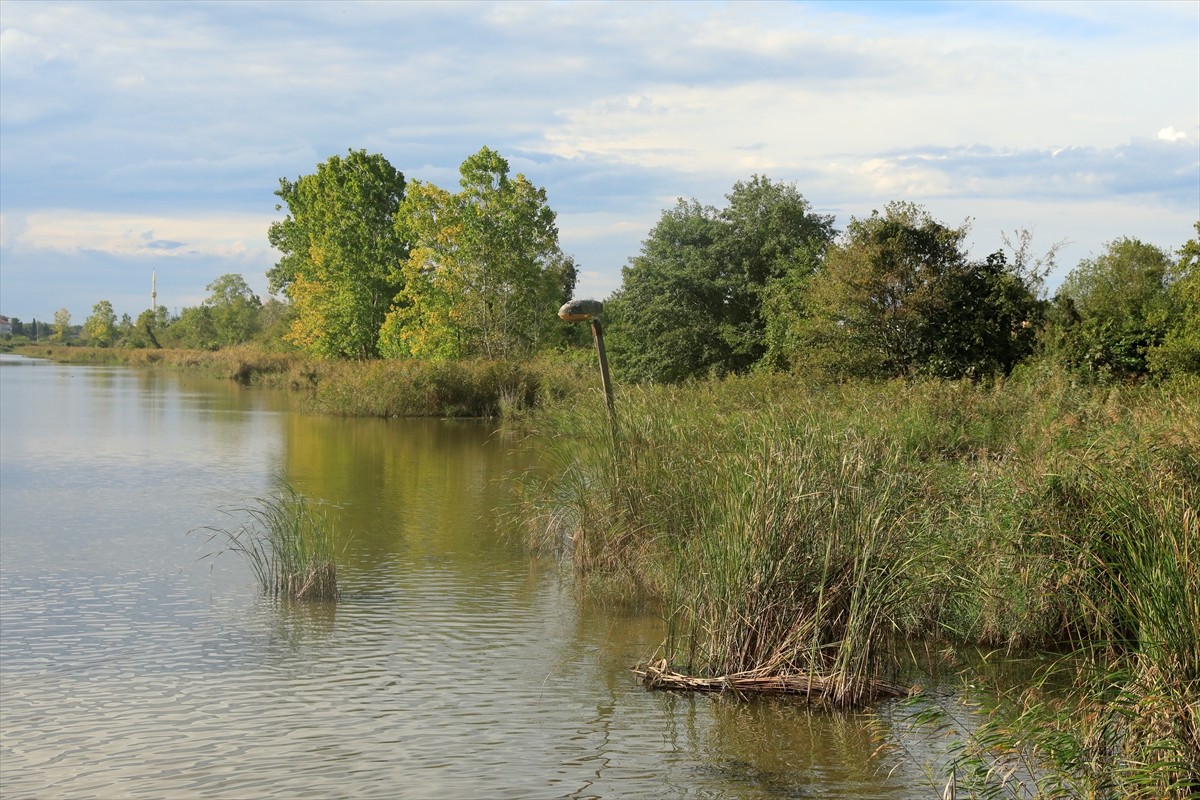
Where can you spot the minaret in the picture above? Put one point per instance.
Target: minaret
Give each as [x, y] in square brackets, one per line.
[153, 291]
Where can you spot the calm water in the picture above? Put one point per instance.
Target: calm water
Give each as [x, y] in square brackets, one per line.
[454, 666]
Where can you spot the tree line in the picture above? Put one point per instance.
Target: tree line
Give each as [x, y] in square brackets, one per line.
[374, 266]
[768, 282]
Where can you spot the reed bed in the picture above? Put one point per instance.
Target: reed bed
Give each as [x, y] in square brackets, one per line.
[809, 532]
[288, 542]
[379, 388]
[1119, 718]
[246, 364]
[469, 388]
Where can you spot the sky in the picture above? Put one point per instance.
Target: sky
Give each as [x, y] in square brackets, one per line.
[142, 139]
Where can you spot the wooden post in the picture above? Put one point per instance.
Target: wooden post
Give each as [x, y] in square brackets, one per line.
[598, 337]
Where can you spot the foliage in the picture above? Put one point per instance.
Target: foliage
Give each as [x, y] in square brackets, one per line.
[340, 252]
[709, 284]
[144, 332]
[275, 320]
[195, 329]
[235, 310]
[100, 328]
[288, 543]
[1115, 308]
[1179, 351]
[229, 316]
[1119, 719]
[897, 296]
[62, 325]
[485, 273]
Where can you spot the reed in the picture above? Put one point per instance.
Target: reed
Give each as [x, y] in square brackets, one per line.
[1120, 718]
[379, 388]
[790, 529]
[420, 388]
[287, 541]
[244, 363]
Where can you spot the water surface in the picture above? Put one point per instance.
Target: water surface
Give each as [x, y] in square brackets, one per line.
[454, 665]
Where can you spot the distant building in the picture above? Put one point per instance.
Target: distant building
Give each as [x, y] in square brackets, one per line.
[5, 326]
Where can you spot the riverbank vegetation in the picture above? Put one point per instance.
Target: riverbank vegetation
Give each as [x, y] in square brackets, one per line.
[288, 542]
[818, 528]
[829, 445]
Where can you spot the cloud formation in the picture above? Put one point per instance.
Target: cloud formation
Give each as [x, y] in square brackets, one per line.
[177, 119]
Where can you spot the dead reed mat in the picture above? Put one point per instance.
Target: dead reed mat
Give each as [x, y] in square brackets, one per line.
[659, 675]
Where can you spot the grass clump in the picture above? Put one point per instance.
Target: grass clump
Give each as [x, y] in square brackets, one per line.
[288, 543]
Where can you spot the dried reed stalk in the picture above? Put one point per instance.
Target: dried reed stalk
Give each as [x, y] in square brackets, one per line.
[659, 675]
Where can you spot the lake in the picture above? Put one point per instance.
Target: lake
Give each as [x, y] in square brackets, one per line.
[454, 665]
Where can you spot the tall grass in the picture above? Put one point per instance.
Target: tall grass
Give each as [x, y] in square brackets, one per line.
[287, 541]
[477, 388]
[794, 528]
[379, 388]
[1121, 717]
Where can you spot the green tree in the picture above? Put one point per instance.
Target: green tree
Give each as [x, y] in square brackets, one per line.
[769, 244]
[275, 321]
[1119, 308]
[195, 329]
[100, 328]
[898, 296]
[664, 320]
[710, 291]
[150, 323]
[125, 331]
[341, 250]
[234, 310]
[62, 325]
[485, 273]
[1179, 351]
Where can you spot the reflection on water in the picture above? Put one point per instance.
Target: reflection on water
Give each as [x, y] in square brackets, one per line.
[453, 666]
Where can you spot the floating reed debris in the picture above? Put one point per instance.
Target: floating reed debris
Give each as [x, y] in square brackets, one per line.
[287, 543]
[659, 675]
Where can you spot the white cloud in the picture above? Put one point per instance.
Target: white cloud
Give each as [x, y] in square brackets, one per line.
[131, 235]
[176, 119]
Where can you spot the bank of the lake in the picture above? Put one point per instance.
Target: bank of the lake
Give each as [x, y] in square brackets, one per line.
[475, 388]
[796, 529]
[452, 665]
[805, 530]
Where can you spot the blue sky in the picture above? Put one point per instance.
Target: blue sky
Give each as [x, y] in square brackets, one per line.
[150, 137]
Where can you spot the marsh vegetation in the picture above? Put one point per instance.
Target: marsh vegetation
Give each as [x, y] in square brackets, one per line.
[287, 540]
[816, 531]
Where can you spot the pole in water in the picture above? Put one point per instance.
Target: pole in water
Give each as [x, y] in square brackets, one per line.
[590, 310]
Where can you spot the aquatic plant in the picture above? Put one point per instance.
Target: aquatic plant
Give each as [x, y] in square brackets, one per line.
[792, 528]
[288, 542]
[1119, 718]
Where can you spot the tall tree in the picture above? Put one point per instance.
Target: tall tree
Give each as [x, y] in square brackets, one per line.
[665, 318]
[235, 310]
[485, 273]
[703, 294]
[194, 329]
[897, 295]
[1120, 307]
[1179, 351]
[340, 252]
[62, 325]
[100, 328]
